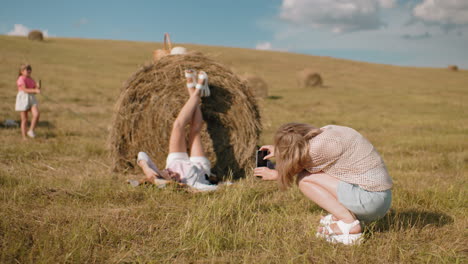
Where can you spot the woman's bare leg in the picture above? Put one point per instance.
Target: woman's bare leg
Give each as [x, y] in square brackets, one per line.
[322, 189]
[24, 124]
[35, 117]
[177, 141]
[195, 142]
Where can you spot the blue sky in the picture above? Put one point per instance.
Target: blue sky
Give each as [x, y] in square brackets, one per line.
[430, 33]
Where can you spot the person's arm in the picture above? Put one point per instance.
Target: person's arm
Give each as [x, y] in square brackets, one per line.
[29, 90]
[266, 174]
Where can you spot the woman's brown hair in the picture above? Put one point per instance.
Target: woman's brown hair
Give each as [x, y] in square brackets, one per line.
[23, 67]
[292, 150]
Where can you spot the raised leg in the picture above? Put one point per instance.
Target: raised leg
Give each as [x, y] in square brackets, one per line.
[195, 142]
[177, 141]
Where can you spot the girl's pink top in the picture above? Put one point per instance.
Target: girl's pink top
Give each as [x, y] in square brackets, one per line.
[27, 82]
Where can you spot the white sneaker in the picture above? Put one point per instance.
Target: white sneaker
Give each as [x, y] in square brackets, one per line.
[31, 134]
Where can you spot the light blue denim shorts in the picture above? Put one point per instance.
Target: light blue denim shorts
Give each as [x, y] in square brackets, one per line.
[367, 206]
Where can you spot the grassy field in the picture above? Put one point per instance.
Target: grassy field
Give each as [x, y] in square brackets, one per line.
[59, 202]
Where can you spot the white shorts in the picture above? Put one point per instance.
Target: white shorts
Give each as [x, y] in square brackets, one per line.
[24, 101]
[201, 162]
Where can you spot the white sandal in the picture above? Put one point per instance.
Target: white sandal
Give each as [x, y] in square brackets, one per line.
[204, 89]
[346, 238]
[191, 74]
[327, 220]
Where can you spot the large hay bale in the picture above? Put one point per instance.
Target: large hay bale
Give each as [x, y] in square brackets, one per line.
[152, 98]
[453, 68]
[257, 85]
[36, 35]
[309, 78]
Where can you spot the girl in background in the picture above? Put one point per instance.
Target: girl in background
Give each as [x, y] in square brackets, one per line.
[26, 100]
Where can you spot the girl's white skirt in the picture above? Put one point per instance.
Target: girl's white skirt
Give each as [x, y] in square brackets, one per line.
[24, 101]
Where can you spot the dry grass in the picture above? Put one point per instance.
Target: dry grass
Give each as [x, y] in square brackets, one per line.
[60, 203]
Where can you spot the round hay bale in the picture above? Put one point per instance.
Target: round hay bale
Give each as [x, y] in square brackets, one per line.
[152, 98]
[309, 78]
[36, 35]
[453, 68]
[257, 85]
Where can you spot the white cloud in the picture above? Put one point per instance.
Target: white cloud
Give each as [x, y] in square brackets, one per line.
[448, 12]
[335, 15]
[387, 3]
[415, 44]
[19, 30]
[22, 30]
[268, 46]
[264, 46]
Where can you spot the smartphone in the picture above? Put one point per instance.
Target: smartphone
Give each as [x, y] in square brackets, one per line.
[261, 162]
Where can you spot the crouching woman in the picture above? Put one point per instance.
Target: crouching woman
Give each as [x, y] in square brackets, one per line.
[338, 169]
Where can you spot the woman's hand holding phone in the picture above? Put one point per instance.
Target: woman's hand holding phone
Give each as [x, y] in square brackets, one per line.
[270, 149]
[266, 174]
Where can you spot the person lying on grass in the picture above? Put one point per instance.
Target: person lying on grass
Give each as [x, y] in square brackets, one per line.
[180, 168]
[338, 169]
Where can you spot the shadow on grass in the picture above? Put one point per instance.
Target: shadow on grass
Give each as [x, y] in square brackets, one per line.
[410, 219]
[274, 97]
[16, 124]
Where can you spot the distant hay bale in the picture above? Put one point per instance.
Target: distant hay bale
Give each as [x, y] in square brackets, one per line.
[309, 78]
[257, 85]
[36, 35]
[453, 68]
[152, 98]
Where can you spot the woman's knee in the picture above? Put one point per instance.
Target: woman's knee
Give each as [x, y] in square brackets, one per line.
[178, 125]
[307, 178]
[305, 185]
[196, 127]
